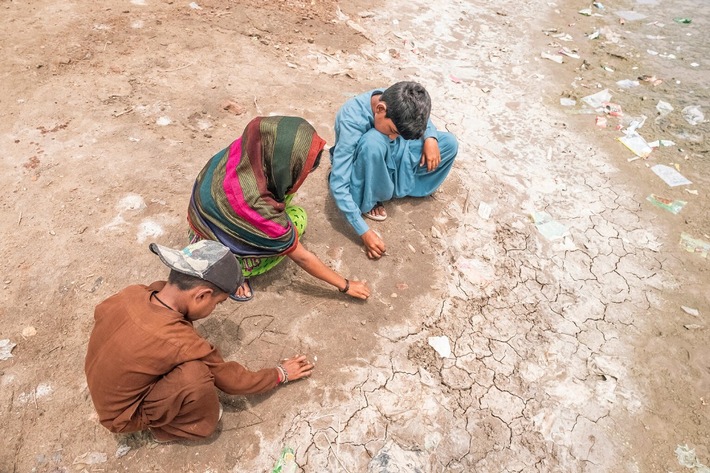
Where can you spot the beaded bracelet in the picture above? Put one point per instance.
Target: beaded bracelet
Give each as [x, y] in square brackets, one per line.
[346, 288]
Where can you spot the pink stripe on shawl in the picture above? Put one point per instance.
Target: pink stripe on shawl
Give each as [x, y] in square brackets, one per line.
[235, 196]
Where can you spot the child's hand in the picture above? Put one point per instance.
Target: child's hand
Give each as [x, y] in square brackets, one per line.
[297, 367]
[359, 290]
[430, 154]
[374, 245]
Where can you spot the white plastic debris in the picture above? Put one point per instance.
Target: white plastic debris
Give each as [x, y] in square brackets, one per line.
[567, 102]
[670, 175]
[569, 53]
[484, 210]
[195, 6]
[693, 327]
[687, 458]
[659, 143]
[550, 229]
[163, 121]
[634, 124]
[563, 37]
[6, 347]
[558, 58]
[597, 100]
[664, 108]
[690, 311]
[637, 144]
[441, 345]
[627, 83]
[693, 115]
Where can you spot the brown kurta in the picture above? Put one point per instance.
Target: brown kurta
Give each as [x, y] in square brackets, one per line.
[135, 343]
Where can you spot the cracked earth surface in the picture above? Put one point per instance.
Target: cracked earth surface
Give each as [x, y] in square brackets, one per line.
[567, 355]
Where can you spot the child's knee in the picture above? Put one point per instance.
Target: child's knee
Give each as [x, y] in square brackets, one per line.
[448, 144]
[373, 143]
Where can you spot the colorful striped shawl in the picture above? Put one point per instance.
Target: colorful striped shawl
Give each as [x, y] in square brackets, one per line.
[238, 197]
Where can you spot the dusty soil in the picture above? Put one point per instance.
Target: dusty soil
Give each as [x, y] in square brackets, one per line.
[567, 355]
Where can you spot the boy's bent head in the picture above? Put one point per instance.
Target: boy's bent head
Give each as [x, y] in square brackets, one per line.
[408, 106]
[207, 263]
[185, 282]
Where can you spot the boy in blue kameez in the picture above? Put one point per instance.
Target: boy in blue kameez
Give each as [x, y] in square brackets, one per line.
[386, 147]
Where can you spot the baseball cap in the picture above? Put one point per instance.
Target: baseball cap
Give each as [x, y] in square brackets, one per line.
[206, 259]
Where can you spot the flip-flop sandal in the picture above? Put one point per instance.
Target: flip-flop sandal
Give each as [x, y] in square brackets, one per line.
[377, 218]
[237, 298]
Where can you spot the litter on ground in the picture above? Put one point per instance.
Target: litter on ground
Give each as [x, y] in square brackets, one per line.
[627, 83]
[441, 345]
[693, 115]
[694, 245]
[6, 347]
[286, 462]
[597, 100]
[670, 175]
[636, 144]
[673, 206]
[690, 311]
[550, 229]
[567, 102]
[484, 210]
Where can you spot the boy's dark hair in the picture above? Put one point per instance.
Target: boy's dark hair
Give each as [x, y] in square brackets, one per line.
[185, 282]
[408, 106]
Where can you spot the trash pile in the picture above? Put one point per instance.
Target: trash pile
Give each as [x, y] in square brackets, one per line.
[608, 104]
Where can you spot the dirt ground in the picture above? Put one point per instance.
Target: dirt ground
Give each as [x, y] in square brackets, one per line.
[568, 355]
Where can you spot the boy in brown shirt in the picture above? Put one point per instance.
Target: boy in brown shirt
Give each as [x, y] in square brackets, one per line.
[146, 366]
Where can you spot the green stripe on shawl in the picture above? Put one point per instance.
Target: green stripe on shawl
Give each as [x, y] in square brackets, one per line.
[276, 152]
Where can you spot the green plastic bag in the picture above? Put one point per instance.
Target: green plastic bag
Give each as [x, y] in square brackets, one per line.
[286, 462]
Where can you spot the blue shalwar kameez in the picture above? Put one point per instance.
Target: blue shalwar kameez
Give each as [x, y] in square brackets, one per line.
[368, 167]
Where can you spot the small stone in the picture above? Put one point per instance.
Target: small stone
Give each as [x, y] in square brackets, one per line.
[394, 295]
[435, 232]
[29, 332]
[122, 451]
[233, 107]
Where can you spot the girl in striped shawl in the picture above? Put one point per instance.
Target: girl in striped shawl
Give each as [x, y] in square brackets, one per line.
[242, 198]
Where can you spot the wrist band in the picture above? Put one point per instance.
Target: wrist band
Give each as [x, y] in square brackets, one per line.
[280, 375]
[283, 372]
[346, 288]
